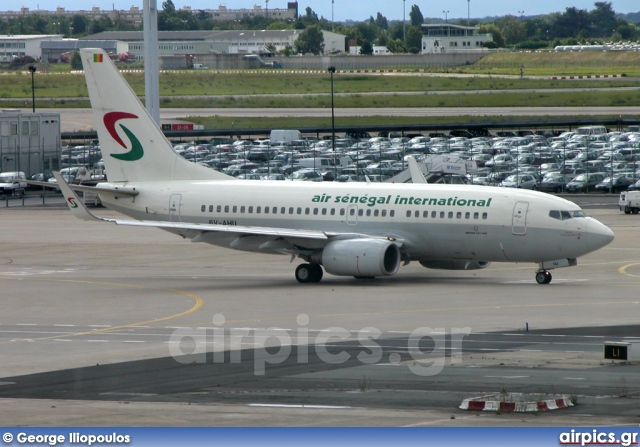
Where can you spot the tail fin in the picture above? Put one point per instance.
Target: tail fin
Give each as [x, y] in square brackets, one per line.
[134, 148]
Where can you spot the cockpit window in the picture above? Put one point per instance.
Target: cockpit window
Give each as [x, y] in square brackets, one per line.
[564, 215]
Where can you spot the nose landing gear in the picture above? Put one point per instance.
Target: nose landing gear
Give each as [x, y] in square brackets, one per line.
[543, 277]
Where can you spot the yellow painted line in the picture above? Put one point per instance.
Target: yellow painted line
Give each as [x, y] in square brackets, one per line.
[623, 270]
[198, 304]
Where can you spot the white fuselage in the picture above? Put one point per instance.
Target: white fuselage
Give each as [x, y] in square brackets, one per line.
[434, 222]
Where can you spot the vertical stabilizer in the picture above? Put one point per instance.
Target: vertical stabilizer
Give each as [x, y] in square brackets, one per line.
[134, 149]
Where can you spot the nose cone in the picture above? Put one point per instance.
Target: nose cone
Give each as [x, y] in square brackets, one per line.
[598, 235]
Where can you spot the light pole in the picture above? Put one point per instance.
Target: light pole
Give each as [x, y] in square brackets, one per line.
[445, 16]
[267, 3]
[331, 71]
[468, 13]
[521, 14]
[70, 30]
[332, 22]
[404, 21]
[32, 69]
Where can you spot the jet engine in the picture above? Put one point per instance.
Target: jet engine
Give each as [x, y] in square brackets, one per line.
[455, 265]
[364, 258]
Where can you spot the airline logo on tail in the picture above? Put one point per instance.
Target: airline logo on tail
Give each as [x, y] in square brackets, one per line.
[136, 151]
[72, 202]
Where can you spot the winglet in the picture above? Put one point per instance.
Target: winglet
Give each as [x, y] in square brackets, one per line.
[414, 170]
[76, 205]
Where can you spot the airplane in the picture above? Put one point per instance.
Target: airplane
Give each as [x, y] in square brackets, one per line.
[363, 230]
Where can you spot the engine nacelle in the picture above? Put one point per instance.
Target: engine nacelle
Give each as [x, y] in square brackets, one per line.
[361, 258]
[455, 265]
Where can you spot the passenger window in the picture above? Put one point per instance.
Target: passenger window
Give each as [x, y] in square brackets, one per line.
[484, 216]
[342, 211]
[360, 212]
[408, 213]
[324, 211]
[417, 214]
[352, 212]
[459, 215]
[250, 210]
[219, 208]
[307, 210]
[242, 209]
[376, 213]
[226, 208]
[266, 210]
[392, 213]
[203, 208]
[442, 214]
[368, 212]
[425, 214]
[476, 215]
[467, 215]
[258, 209]
[211, 208]
[384, 213]
[299, 210]
[450, 214]
[333, 211]
[434, 214]
[235, 208]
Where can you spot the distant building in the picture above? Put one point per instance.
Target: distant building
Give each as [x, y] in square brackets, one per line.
[445, 37]
[29, 142]
[52, 50]
[202, 43]
[133, 15]
[23, 45]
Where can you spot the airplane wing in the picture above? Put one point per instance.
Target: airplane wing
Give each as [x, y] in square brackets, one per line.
[94, 189]
[201, 232]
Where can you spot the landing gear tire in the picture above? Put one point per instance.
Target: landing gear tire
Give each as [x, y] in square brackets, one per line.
[627, 210]
[635, 210]
[308, 273]
[543, 277]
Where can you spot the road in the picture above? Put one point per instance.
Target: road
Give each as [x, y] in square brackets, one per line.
[82, 119]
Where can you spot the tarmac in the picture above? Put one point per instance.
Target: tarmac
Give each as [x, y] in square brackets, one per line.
[108, 325]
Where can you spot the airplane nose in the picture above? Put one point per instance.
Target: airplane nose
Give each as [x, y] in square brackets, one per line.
[598, 235]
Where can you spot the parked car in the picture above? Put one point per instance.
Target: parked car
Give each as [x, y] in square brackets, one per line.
[524, 181]
[620, 183]
[585, 182]
[10, 184]
[307, 175]
[554, 182]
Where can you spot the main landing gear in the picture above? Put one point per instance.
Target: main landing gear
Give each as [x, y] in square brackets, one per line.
[543, 277]
[307, 273]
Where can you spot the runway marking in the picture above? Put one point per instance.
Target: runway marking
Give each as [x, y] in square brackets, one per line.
[508, 377]
[198, 304]
[330, 407]
[574, 378]
[623, 270]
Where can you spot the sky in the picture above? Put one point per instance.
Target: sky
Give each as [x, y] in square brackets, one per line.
[357, 10]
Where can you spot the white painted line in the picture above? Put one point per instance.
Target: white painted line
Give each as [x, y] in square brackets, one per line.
[135, 341]
[574, 378]
[26, 324]
[333, 407]
[551, 335]
[64, 325]
[60, 339]
[98, 341]
[508, 377]
[99, 325]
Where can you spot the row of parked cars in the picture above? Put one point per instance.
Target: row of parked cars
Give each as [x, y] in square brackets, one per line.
[588, 159]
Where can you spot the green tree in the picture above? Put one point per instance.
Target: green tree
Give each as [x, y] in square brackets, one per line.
[396, 46]
[512, 29]
[381, 22]
[310, 40]
[168, 7]
[602, 20]
[366, 49]
[417, 19]
[75, 60]
[414, 39]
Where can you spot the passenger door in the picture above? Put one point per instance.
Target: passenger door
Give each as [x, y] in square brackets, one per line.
[519, 220]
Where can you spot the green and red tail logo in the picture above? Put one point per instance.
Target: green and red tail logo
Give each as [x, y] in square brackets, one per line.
[72, 202]
[136, 151]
